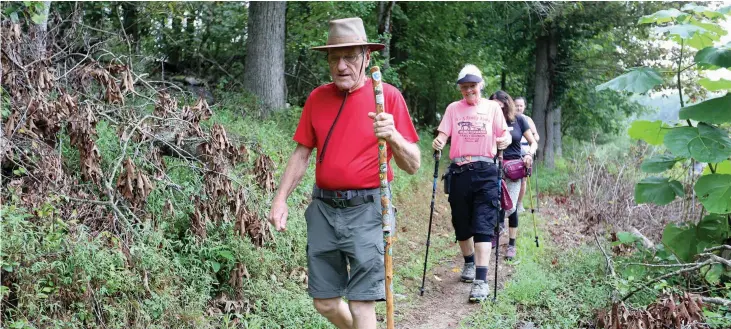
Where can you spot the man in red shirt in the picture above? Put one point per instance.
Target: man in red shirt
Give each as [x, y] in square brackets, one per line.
[344, 218]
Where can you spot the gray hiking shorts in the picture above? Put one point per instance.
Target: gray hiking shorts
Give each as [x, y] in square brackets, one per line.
[342, 236]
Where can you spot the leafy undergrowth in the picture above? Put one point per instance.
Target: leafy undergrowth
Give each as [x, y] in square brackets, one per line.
[550, 287]
[59, 273]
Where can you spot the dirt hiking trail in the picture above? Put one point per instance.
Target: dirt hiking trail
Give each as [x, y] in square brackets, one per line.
[445, 302]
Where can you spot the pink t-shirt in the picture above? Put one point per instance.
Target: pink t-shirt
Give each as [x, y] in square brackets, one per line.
[473, 128]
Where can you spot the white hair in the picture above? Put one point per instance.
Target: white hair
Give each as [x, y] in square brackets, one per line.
[472, 70]
[469, 69]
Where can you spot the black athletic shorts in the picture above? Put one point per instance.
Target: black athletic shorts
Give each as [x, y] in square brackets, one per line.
[474, 199]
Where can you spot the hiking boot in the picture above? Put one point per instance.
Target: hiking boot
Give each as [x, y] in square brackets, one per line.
[468, 273]
[510, 254]
[480, 291]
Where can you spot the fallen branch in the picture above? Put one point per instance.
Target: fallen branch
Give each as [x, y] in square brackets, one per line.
[717, 259]
[709, 261]
[645, 241]
[610, 268]
[721, 247]
[661, 265]
[716, 301]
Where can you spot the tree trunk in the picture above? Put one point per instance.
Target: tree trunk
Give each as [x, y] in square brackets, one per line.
[543, 102]
[541, 93]
[557, 134]
[503, 77]
[549, 151]
[384, 30]
[41, 31]
[264, 69]
[174, 48]
[129, 16]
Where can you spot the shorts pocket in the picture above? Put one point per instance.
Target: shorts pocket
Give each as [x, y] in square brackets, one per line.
[381, 248]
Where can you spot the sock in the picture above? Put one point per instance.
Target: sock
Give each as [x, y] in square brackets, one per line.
[469, 259]
[481, 273]
[511, 242]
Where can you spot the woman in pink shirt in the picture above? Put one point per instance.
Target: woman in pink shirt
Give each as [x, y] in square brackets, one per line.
[477, 128]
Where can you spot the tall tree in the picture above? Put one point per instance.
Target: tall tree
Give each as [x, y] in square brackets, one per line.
[561, 26]
[546, 46]
[41, 28]
[384, 29]
[264, 69]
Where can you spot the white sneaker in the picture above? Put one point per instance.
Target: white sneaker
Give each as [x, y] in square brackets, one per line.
[521, 209]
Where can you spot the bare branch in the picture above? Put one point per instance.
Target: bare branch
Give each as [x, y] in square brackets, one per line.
[610, 268]
[721, 247]
[716, 301]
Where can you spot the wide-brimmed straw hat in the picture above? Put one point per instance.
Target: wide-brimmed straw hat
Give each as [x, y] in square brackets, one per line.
[348, 32]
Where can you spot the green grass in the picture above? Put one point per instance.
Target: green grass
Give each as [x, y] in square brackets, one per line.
[550, 287]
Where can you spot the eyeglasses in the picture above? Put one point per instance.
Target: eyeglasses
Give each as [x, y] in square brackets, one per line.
[350, 58]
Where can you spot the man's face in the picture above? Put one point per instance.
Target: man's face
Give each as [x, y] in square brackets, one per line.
[520, 105]
[347, 65]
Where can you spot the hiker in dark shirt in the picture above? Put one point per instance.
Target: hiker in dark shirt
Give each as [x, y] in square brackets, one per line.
[520, 105]
[519, 128]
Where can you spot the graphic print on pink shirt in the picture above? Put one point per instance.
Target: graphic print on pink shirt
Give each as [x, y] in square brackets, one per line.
[473, 128]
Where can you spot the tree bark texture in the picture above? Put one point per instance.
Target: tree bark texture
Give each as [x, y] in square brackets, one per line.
[41, 30]
[541, 92]
[543, 101]
[264, 69]
[384, 29]
[557, 134]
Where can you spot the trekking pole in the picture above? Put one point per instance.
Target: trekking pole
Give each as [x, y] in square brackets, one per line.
[533, 210]
[385, 202]
[437, 155]
[500, 215]
[538, 201]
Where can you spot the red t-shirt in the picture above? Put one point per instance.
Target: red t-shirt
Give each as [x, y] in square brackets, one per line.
[351, 157]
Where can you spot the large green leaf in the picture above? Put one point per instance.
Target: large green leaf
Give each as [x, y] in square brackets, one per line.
[721, 168]
[637, 80]
[687, 240]
[661, 16]
[705, 143]
[716, 56]
[681, 240]
[711, 145]
[715, 85]
[652, 132]
[714, 192]
[659, 163]
[716, 110]
[677, 140]
[701, 10]
[684, 31]
[712, 27]
[657, 190]
[701, 40]
[713, 275]
[713, 228]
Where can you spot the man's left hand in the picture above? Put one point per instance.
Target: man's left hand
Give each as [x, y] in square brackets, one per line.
[383, 125]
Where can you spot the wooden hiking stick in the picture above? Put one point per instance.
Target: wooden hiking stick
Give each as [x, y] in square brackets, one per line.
[385, 202]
